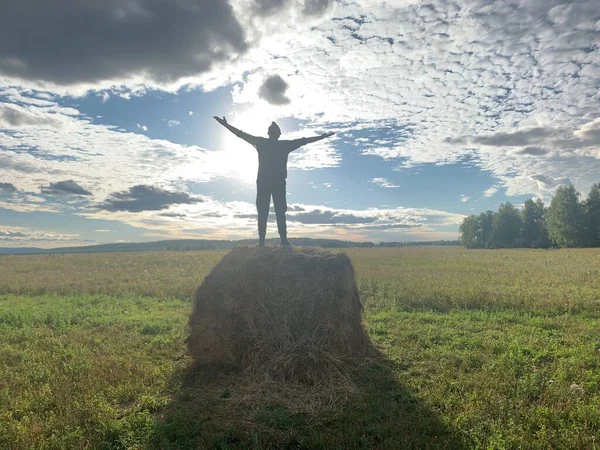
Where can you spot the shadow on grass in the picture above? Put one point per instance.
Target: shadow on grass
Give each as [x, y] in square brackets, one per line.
[382, 414]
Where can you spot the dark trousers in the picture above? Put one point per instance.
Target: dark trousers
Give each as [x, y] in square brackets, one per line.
[264, 191]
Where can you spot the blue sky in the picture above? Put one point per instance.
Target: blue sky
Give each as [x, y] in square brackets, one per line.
[441, 109]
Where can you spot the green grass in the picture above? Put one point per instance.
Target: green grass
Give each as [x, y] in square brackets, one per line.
[482, 349]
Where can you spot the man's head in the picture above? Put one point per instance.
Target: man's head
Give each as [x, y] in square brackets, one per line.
[274, 131]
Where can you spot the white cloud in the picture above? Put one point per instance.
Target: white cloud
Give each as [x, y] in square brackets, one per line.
[173, 123]
[384, 183]
[518, 77]
[491, 191]
[464, 198]
[46, 145]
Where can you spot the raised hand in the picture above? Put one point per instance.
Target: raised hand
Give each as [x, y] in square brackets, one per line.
[222, 121]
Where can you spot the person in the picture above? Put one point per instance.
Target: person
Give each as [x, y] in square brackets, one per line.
[272, 173]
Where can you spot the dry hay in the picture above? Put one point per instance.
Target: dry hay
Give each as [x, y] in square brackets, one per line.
[280, 314]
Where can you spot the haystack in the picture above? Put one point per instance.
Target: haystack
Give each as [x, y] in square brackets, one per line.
[280, 314]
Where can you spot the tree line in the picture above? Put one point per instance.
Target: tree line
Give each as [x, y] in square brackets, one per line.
[568, 221]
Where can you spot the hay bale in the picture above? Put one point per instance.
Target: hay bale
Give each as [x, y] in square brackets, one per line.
[280, 314]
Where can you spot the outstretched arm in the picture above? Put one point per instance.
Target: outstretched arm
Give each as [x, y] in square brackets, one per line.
[297, 143]
[239, 133]
[310, 140]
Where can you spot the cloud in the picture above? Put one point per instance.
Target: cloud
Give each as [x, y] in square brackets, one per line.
[589, 132]
[68, 187]
[273, 90]
[547, 182]
[72, 42]
[142, 127]
[19, 236]
[85, 150]
[373, 218]
[315, 7]
[305, 7]
[517, 138]
[480, 80]
[7, 188]
[173, 215]
[15, 116]
[384, 183]
[464, 198]
[146, 198]
[533, 151]
[173, 123]
[490, 192]
[567, 154]
[318, 216]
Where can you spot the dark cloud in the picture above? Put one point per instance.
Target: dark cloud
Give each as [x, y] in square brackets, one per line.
[315, 7]
[268, 7]
[519, 138]
[253, 216]
[14, 116]
[533, 151]
[74, 41]
[590, 132]
[537, 141]
[547, 182]
[146, 198]
[391, 226]
[38, 236]
[318, 216]
[7, 188]
[7, 162]
[68, 187]
[309, 8]
[173, 215]
[273, 91]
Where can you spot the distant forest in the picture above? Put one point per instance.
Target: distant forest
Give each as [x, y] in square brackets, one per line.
[203, 244]
[569, 221]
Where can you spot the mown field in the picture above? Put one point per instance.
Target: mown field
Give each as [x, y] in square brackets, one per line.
[481, 349]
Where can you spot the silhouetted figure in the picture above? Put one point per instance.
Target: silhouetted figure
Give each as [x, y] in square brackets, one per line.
[272, 172]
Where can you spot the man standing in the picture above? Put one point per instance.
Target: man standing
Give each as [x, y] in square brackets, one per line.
[272, 172]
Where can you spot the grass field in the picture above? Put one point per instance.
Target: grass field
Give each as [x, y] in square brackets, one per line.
[482, 349]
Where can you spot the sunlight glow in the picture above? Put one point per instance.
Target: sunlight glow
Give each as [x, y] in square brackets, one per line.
[240, 156]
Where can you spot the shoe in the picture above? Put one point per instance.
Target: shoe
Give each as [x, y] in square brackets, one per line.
[260, 244]
[285, 243]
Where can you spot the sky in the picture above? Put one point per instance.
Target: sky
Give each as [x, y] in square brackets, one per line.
[441, 109]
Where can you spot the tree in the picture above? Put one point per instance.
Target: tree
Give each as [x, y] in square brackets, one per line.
[592, 217]
[467, 230]
[534, 233]
[485, 228]
[564, 218]
[507, 227]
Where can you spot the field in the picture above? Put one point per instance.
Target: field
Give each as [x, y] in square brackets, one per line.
[482, 349]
